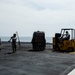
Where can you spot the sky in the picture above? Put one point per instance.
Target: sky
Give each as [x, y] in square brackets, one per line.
[27, 16]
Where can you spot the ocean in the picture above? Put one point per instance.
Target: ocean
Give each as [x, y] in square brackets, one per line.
[25, 39]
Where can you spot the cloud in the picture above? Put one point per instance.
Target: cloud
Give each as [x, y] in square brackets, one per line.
[27, 16]
[52, 4]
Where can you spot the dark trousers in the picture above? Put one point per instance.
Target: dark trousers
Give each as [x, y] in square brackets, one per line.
[14, 47]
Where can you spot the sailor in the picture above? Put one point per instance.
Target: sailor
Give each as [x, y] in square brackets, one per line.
[13, 38]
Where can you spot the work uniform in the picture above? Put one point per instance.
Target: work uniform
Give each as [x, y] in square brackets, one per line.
[0, 43]
[13, 38]
[13, 43]
[67, 36]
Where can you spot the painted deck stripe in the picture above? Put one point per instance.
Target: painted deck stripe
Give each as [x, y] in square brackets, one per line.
[72, 53]
[72, 72]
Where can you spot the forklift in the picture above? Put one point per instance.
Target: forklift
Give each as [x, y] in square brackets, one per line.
[60, 44]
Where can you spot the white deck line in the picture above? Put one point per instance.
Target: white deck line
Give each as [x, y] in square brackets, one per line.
[72, 72]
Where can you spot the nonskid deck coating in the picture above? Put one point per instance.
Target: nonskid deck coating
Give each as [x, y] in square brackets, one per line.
[26, 62]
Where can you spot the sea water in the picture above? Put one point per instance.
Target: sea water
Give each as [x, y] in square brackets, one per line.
[25, 39]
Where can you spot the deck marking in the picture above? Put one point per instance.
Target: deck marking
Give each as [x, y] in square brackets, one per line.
[72, 53]
[72, 72]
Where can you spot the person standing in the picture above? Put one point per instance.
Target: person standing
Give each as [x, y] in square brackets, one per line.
[0, 43]
[13, 38]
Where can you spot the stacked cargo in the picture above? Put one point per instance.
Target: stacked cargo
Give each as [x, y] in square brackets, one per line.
[38, 40]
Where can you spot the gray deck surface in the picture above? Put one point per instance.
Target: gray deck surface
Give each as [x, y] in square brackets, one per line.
[27, 62]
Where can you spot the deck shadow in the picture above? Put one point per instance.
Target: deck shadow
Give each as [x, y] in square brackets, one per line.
[8, 53]
[32, 50]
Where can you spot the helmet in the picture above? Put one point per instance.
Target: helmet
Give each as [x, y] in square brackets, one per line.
[66, 31]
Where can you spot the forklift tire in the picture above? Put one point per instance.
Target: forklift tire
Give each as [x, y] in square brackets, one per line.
[57, 49]
[71, 49]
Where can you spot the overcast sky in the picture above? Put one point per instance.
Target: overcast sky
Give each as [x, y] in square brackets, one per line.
[27, 16]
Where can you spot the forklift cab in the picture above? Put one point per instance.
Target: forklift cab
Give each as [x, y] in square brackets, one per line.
[70, 32]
